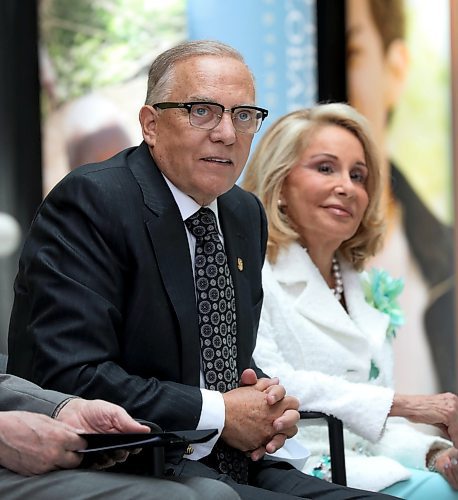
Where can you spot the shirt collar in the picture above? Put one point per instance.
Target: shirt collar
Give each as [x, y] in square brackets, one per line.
[186, 205]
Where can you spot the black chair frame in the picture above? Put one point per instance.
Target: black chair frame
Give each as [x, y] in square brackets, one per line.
[336, 444]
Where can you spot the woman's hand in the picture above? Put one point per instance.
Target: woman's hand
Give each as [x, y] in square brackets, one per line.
[440, 410]
[447, 465]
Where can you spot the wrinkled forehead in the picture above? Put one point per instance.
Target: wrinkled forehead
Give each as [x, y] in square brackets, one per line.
[207, 75]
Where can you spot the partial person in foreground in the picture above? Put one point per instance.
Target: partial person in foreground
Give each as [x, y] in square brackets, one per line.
[317, 173]
[140, 280]
[39, 436]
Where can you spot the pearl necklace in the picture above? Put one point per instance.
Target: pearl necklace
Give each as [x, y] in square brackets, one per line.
[338, 288]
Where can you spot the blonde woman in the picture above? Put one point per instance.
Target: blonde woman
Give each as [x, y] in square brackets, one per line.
[317, 173]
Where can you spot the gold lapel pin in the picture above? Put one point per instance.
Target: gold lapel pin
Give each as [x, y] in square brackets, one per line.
[239, 264]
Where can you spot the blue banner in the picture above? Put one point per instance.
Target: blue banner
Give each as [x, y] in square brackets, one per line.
[277, 39]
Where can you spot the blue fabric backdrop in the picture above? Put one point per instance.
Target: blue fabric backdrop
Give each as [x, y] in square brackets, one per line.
[277, 39]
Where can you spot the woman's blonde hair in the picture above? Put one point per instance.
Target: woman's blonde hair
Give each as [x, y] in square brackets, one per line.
[278, 152]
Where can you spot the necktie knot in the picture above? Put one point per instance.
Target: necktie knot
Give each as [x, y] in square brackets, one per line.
[202, 223]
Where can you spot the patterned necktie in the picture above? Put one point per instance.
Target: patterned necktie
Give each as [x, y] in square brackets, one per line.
[217, 327]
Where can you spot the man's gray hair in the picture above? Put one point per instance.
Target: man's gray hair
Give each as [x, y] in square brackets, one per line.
[161, 72]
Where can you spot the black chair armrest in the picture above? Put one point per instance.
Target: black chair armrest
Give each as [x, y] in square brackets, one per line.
[336, 444]
[157, 452]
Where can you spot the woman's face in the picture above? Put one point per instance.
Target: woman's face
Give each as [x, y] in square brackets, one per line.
[325, 193]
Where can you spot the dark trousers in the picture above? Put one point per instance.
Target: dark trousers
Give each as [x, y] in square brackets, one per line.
[271, 480]
[79, 484]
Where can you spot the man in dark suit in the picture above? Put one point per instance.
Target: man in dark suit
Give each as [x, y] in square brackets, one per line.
[105, 299]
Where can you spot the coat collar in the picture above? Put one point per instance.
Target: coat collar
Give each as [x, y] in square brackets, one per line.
[295, 271]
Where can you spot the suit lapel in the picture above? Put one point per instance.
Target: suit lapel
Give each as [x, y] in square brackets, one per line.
[235, 245]
[316, 301]
[171, 249]
[317, 304]
[371, 321]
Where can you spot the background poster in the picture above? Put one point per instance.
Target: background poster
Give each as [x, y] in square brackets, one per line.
[94, 63]
[398, 75]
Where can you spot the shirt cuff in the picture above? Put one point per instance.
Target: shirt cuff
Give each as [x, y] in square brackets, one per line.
[212, 416]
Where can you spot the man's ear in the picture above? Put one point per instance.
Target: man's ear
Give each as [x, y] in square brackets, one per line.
[148, 117]
[397, 67]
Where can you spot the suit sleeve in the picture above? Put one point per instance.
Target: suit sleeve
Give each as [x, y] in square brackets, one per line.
[71, 296]
[20, 394]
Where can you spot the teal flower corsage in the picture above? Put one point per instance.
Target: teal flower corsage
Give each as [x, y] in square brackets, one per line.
[382, 292]
[322, 469]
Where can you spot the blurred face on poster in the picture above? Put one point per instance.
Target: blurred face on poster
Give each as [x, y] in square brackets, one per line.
[413, 146]
[376, 68]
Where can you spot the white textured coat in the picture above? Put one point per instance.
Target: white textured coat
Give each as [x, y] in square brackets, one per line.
[323, 356]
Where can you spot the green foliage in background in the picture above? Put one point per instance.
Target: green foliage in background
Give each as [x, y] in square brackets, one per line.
[93, 43]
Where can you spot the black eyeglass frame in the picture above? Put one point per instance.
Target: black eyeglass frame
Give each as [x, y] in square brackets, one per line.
[188, 106]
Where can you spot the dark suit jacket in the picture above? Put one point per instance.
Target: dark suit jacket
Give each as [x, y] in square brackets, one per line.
[104, 298]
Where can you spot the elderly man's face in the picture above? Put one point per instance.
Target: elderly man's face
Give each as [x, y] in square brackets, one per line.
[202, 163]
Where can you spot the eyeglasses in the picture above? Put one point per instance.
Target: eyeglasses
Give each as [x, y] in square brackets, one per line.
[207, 115]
